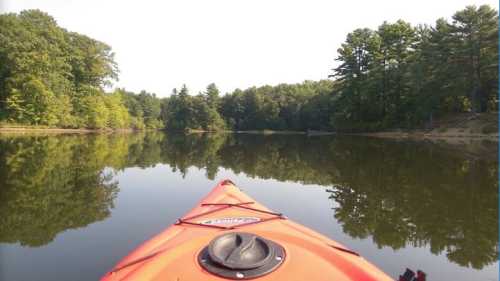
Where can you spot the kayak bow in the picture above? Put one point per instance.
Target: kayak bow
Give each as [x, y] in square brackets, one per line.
[228, 235]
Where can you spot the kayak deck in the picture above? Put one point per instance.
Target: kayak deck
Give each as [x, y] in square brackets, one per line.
[173, 254]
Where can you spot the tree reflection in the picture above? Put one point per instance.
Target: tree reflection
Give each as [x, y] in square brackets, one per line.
[52, 183]
[409, 194]
[397, 193]
[49, 185]
[182, 151]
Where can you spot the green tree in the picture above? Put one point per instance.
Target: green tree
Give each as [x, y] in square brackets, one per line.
[212, 94]
[401, 76]
[50, 76]
[185, 112]
[475, 31]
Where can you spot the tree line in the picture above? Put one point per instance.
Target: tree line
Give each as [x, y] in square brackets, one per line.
[397, 76]
[283, 107]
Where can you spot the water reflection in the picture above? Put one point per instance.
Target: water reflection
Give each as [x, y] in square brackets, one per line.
[397, 193]
[405, 194]
[52, 184]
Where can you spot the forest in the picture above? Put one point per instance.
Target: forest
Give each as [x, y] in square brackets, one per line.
[396, 76]
[52, 77]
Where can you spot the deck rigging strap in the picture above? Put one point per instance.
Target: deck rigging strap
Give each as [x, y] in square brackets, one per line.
[242, 205]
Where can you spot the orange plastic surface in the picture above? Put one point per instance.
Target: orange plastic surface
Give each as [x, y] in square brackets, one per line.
[172, 254]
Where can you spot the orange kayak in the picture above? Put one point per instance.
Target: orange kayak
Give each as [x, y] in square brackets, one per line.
[229, 235]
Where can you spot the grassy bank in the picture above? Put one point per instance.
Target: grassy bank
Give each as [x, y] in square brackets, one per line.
[21, 128]
[466, 125]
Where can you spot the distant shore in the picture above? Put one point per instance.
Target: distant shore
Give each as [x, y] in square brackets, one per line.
[388, 134]
[424, 135]
[462, 126]
[34, 129]
[469, 125]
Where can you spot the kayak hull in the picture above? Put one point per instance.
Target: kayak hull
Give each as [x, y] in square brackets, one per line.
[173, 254]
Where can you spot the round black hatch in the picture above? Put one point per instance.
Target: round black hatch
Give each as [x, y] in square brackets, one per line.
[240, 255]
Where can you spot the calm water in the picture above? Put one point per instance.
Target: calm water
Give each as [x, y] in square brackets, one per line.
[71, 206]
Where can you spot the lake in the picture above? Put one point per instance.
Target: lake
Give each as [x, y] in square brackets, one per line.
[71, 206]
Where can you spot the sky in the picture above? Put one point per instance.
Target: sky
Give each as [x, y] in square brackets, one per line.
[160, 45]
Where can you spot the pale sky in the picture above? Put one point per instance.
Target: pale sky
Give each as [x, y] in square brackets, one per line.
[160, 45]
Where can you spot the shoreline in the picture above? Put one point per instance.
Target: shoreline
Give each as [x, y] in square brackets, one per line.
[387, 134]
[423, 135]
[21, 130]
